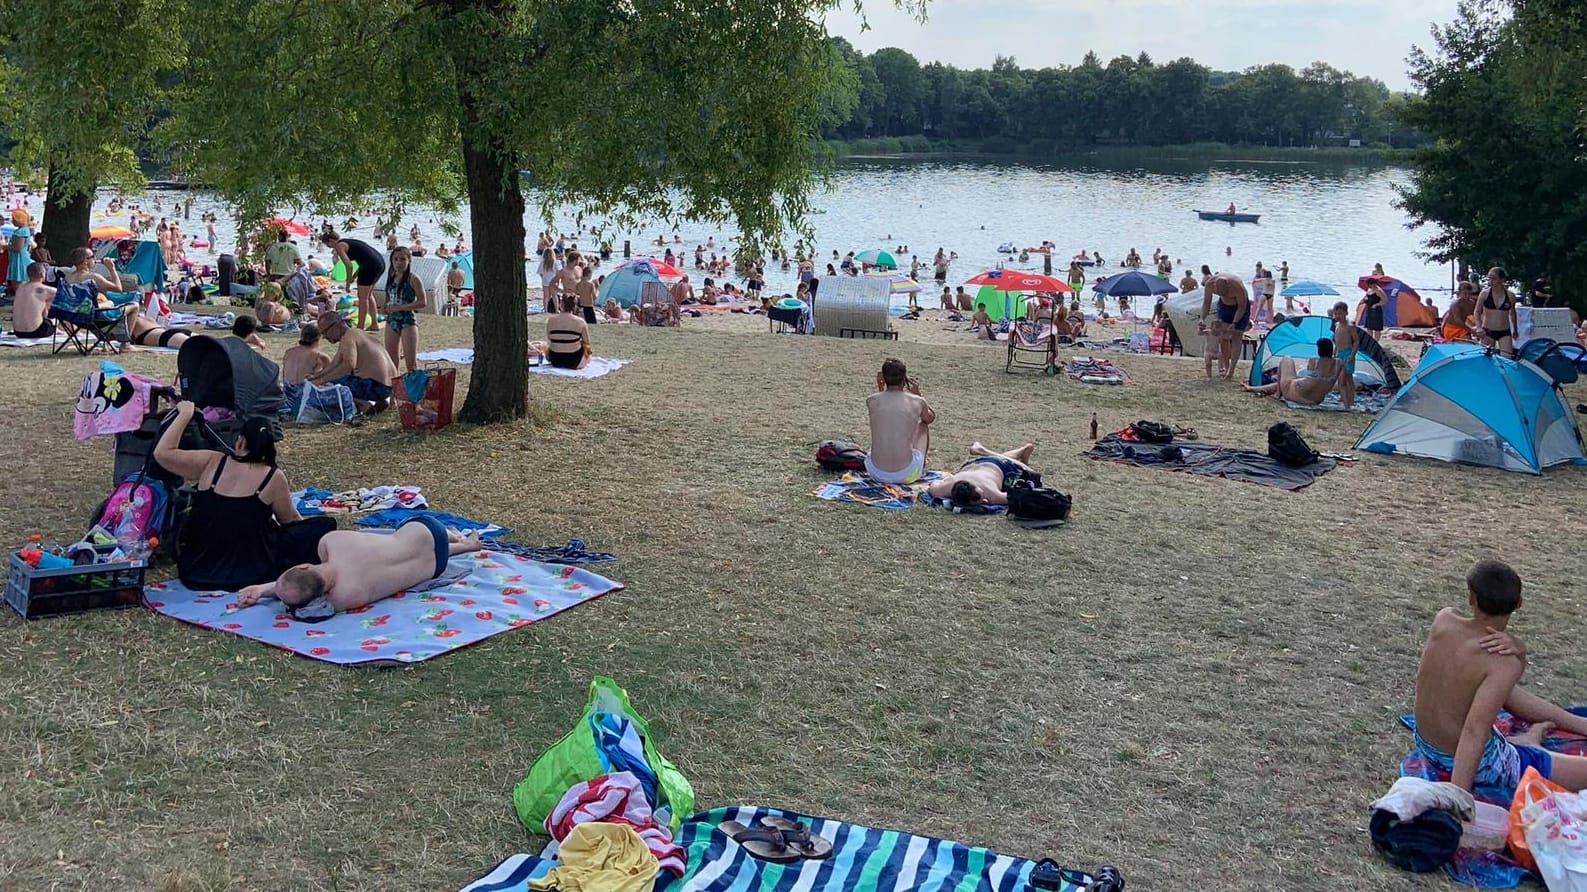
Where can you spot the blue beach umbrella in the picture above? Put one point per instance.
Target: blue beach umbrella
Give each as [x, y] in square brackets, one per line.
[1308, 288]
[1134, 283]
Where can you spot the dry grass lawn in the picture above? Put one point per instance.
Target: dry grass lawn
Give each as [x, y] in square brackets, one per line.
[1196, 679]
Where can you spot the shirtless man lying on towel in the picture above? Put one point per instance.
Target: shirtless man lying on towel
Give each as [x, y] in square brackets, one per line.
[358, 568]
[1471, 668]
[987, 477]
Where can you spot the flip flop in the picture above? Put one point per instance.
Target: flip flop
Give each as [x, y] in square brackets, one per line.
[798, 837]
[761, 842]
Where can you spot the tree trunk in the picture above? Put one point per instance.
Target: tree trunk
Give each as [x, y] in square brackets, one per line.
[66, 218]
[499, 381]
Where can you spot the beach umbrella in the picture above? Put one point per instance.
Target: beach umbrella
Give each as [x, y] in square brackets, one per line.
[876, 257]
[1009, 281]
[1134, 283]
[99, 232]
[1308, 288]
[898, 283]
[660, 267]
[291, 226]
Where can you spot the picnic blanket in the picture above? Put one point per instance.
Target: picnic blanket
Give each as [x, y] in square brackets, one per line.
[598, 366]
[395, 517]
[864, 859]
[8, 339]
[1208, 460]
[1476, 867]
[1370, 403]
[862, 490]
[313, 500]
[500, 592]
[1096, 371]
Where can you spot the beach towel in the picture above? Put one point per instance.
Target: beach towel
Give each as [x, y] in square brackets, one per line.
[1369, 403]
[572, 553]
[395, 517]
[1207, 460]
[863, 859]
[862, 490]
[598, 366]
[460, 355]
[313, 500]
[111, 401]
[500, 592]
[616, 798]
[7, 339]
[1476, 867]
[1096, 371]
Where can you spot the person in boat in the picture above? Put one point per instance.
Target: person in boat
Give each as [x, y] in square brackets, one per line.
[1231, 211]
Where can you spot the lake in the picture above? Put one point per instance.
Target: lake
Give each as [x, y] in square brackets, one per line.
[1330, 221]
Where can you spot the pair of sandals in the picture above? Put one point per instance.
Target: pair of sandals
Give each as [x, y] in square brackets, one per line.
[1050, 876]
[778, 840]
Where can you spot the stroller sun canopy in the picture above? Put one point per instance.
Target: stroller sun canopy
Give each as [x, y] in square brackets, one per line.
[227, 373]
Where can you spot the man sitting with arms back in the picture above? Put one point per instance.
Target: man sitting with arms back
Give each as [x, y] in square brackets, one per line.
[987, 478]
[900, 427]
[361, 364]
[282, 258]
[1471, 667]
[358, 568]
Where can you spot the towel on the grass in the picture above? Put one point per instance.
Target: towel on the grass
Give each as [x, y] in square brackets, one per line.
[598, 366]
[1096, 371]
[7, 339]
[571, 553]
[1369, 403]
[864, 859]
[396, 517]
[313, 500]
[861, 490]
[1207, 460]
[180, 318]
[500, 592]
[1476, 867]
[461, 355]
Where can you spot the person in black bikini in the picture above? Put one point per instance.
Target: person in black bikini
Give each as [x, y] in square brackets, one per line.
[145, 332]
[987, 477]
[371, 266]
[1497, 306]
[567, 337]
[244, 528]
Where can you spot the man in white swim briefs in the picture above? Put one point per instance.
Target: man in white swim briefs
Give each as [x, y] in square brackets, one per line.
[900, 427]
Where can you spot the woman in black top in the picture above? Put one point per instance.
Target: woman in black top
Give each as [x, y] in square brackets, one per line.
[243, 528]
[371, 265]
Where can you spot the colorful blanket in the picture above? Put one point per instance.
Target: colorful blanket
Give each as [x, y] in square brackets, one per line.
[500, 592]
[616, 798]
[313, 500]
[863, 859]
[861, 490]
[598, 366]
[1369, 403]
[112, 400]
[1475, 867]
[1096, 371]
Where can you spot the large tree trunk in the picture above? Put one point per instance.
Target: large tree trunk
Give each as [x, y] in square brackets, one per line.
[66, 219]
[499, 381]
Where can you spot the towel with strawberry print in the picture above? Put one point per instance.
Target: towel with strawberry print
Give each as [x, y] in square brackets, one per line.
[501, 592]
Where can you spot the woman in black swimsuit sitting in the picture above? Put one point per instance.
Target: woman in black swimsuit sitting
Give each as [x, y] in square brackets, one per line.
[244, 528]
[1496, 305]
[371, 266]
[567, 337]
[145, 332]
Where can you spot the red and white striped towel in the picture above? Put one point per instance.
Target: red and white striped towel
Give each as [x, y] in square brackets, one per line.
[615, 799]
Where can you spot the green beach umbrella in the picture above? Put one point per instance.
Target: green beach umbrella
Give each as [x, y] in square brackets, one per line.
[876, 257]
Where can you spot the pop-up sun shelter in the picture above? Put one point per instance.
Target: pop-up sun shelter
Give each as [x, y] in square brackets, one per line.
[1464, 404]
[1404, 307]
[1296, 338]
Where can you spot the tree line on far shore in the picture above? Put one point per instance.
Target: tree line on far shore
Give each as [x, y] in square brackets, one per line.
[1126, 101]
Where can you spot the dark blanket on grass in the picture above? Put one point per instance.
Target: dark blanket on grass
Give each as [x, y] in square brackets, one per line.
[1208, 460]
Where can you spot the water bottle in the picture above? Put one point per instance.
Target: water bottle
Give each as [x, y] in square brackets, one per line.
[1093, 425]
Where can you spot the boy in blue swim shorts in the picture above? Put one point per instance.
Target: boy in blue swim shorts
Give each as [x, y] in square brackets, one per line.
[1471, 668]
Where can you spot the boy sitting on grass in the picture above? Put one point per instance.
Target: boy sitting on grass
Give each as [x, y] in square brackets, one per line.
[1471, 668]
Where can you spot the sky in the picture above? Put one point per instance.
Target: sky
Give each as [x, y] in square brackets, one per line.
[1366, 37]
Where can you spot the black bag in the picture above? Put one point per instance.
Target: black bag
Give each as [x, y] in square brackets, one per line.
[1285, 446]
[1549, 355]
[1153, 432]
[840, 455]
[1038, 503]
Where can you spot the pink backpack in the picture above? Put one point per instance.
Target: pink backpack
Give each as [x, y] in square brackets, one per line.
[136, 510]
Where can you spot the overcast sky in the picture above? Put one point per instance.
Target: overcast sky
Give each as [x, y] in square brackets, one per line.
[1367, 37]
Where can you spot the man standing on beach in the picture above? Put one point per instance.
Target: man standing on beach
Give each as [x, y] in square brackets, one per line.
[900, 426]
[1233, 320]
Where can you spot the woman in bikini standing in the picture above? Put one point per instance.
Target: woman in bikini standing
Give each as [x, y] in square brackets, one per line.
[1496, 306]
[404, 294]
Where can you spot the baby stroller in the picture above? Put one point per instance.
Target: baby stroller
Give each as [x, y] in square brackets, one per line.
[232, 381]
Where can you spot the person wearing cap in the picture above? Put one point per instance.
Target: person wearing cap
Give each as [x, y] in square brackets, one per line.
[243, 528]
[17, 250]
[361, 364]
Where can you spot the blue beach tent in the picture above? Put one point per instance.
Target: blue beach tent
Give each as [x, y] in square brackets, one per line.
[1465, 404]
[626, 282]
[1296, 338]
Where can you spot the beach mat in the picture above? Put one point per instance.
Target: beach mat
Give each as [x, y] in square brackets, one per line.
[598, 366]
[500, 592]
[8, 339]
[1475, 867]
[864, 859]
[1367, 403]
[1207, 460]
[858, 489]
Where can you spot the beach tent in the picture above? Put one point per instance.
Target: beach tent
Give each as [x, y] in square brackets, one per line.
[626, 282]
[140, 263]
[1296, 338]
[1464, 404]
[1404, 307]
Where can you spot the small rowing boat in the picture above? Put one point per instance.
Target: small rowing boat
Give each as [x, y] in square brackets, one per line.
[1223, 217]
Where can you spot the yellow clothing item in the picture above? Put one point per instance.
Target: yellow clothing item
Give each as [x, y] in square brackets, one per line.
[598, 857]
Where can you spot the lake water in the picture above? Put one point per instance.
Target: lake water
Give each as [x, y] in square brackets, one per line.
[1330, 222]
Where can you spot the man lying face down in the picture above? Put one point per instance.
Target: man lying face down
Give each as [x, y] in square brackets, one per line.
[358, 568]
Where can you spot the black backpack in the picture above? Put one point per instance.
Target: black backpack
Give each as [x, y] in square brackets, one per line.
[1152, 432]
[1286, 446]
[1038, 503]
[840, 455]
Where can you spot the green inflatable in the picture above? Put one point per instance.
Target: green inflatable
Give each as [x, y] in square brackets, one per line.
[339, 271]
[997, 302]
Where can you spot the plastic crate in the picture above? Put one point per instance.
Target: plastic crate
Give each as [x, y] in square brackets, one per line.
[36, 593]
[433, 410]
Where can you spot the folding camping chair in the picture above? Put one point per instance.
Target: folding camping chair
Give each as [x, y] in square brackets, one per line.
[83, 323]
[1028, 338]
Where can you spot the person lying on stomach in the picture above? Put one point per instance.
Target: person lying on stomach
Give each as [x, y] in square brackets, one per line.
[1471, 668]
[358, 568]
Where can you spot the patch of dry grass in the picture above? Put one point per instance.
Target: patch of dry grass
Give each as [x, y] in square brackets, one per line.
[1196, 679]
